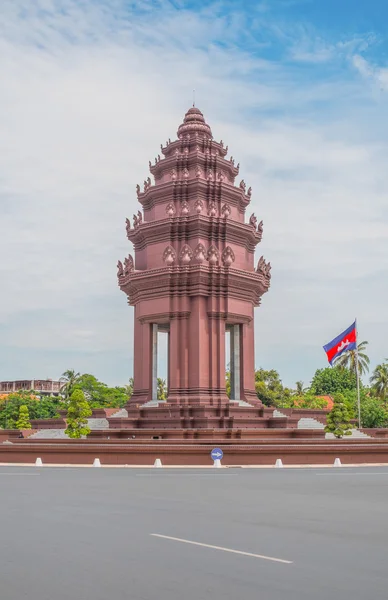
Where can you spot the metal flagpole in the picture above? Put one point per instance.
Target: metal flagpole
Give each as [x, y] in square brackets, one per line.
[358, 381]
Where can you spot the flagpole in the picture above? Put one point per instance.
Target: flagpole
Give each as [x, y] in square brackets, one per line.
[358, 381]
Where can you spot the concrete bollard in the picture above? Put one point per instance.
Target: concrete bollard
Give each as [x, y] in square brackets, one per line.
[217, 464]
[96, 462]
[38, 462]
[158, 463]
[279, 464]
[337, 463]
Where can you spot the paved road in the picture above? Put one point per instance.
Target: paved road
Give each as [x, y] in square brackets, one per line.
[85, 534]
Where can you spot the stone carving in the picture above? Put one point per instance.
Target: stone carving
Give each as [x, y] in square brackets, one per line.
[264, 268]
[225, 211]
[260, 228]
[243, 185]
[186, 150]
[198, 172]
[139, 217]
[228, 256]
[149, 183]
[173, 175]
[170, 209]
[169, 256]
[150, 164]
[161, 147]
[226, 149]
[128, 226]
[138, 189]
[186, 255]
[158, 157]
[213, 255]
[221, 177]
[200, 253]
[120, 269]
[253, 221]
[238, 166]
[198, 205]
[186, 173]
[185, 209]
[135, 222]
[209, 176]
[249, 192]
[260, 265]
[212, 210]
[221, 144]
[129, 266]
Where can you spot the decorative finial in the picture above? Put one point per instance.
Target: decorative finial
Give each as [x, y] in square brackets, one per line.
[193, 98]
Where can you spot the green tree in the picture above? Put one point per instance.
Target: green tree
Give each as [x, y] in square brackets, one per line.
[77, 415]
[129, 388]
[68, 380]
[10, 406]
[162, 389]
[269, 388]
[23, 421]
[332, 380]
[337, 420]
[98, 394]
[379, 381]
[373, 413]
[227, 382]
[348, 360]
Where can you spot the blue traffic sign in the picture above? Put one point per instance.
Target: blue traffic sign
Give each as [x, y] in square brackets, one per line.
[216, 454]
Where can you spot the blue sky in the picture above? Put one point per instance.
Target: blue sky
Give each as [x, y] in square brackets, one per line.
[297, 89]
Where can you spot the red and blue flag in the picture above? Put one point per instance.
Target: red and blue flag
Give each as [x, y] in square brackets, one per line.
[347, 340]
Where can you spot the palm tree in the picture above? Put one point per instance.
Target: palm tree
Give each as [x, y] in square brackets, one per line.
[348, 360]
[69, 379]
[379, 380]
[129, 387]
[299, 389]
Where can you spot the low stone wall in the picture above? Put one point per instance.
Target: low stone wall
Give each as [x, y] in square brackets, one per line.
[75, 452]
[48, 423]
[377, 433]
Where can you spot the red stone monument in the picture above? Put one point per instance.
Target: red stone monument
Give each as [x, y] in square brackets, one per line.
[193, 274]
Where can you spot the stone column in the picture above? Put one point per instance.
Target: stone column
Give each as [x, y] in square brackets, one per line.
[142, 360]
[248, 391]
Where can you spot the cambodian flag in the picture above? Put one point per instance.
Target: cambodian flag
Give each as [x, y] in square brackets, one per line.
[347, 340]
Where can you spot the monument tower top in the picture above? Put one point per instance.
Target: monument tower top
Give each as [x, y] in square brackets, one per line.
[193, 274]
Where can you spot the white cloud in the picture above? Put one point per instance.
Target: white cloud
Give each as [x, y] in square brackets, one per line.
[90, 92]
[377, 74]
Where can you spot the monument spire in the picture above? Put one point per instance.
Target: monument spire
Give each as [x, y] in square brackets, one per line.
[193, 274]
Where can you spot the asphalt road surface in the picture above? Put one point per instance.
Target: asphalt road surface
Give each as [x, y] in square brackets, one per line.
[259, 534]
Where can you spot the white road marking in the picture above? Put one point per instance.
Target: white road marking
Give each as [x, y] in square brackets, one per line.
[174, 539]
[353, 474]
[22, 474]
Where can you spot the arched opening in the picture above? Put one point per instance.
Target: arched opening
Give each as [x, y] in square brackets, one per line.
[160, 366]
